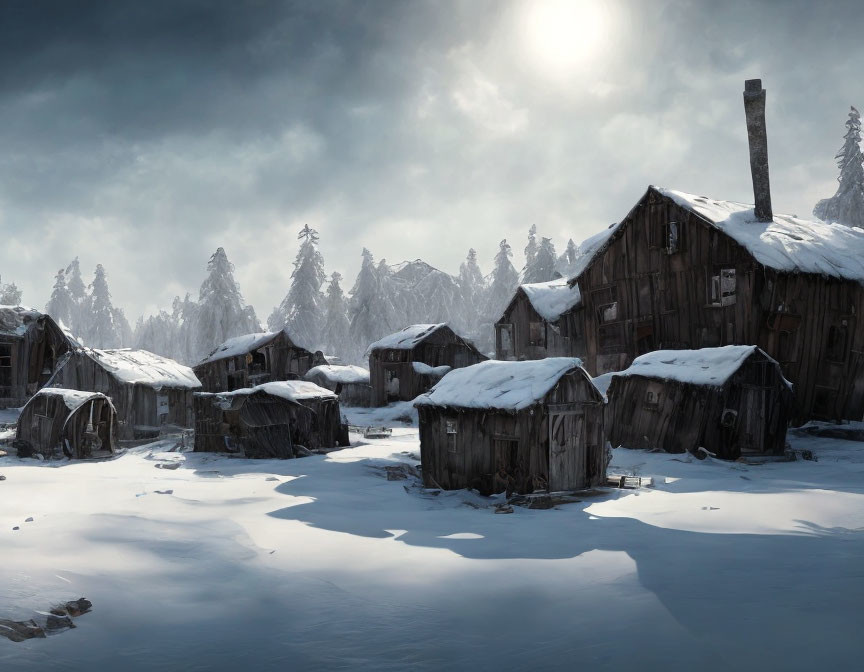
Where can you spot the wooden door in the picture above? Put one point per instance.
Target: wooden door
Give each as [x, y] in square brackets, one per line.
[752, 420]
[567, 458]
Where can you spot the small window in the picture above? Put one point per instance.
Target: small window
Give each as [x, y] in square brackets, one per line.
[451, 427]
[653, 394]
[537, 333]
[671, 237]
[608, 312]
[835, 348]
[722, 288]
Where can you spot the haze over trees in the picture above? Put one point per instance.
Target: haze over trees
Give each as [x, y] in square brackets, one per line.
[847, 205]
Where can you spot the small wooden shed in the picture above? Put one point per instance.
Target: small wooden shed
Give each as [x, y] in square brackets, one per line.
[253, 359]
[148, 391]
[57, 422]
[532, 327]
[406, 364]
[270, 420]
[350, 383]
[31, 344]
[516, 426]
[732, 400]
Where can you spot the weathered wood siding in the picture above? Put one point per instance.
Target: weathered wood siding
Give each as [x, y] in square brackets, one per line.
[50, 428]
[663, 301]
[495, 450]
[442, 347]
[679, 417]
[27, 361]
[559, 339]
[350, 394]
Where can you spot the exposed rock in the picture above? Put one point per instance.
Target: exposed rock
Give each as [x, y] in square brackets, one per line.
[18, 631]
[167, 465]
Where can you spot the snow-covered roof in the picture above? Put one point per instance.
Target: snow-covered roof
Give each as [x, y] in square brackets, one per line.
[72, 398]
[787, 243]
[407, 338]
[292, 390]
[426, 370]
[16, 320]
[240, 345]
[144, 368]
[708, 366]
[552, 299]
[496, 384]
[340, 374]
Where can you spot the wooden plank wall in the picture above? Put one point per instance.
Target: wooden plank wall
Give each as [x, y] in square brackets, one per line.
[561, 341]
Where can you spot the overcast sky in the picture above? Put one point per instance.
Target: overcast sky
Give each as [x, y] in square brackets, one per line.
[143, 135]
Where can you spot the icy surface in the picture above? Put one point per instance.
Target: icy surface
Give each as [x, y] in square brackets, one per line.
[552, 299]
[788, 243]
[426, 370]
[500, 385]
[292, 390]
[407, 338]
[144, 368]
[708, 366]
[72, 398]
[323, 563]
[240, 345]
[340, 374]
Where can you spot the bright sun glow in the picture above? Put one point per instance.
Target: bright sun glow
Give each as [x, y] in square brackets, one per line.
[563, 36]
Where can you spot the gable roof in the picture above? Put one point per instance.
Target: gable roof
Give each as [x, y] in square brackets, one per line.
[242, 345]
[708, 366]
[72, 398]
[290, 390]
[407, 338]
[17, 320]
[144, 368]
[340, 373]
[552, 299]
[500, 385]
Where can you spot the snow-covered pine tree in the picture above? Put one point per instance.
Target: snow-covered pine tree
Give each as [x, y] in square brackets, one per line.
[530, 249]
[10, 295]
[567, 260]
[371, 312]
[847, 205]
[335, 336]
[157, 334]
[302, 309]
[503, 283]
[473, 289]
[221, 312]
[542, 269]
[78, 293]
[436, 298]
[60, 305]
[102, 323]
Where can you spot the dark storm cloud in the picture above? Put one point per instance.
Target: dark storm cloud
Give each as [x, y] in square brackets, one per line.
[143, 135]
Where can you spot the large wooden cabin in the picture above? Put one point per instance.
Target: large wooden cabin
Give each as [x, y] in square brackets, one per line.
[733, 401]
[513, 426]
[271, 420]
[57, 422]
[149, 391]
[253, 359]
[31, 344]
[406, 364]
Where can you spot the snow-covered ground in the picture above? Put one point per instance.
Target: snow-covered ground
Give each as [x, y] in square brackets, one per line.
[323, 563]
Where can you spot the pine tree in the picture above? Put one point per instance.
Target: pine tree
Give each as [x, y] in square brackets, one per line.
[371, 311]
[473, 289]
[567, 261]
[530, 249]
[221, 312]
[505, 279]
[10, 295]
[78, 294]
[847, 205]
[302, 308]
[103, 324]
[336, 325]
[60, 305]
[542, 268]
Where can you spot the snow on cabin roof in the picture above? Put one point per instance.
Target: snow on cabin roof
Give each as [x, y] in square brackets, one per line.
[144, 368]
[72, 398]
[292, 390]
[787, 243]
[496, 384]
[708, 366]
[552, 299]
[407, 338]
[239, 345]
[16, 320]
[340, 374]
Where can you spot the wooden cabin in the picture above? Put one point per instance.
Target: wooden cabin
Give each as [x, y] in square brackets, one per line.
[531, 326]
[349, 383]
[733, 401]
[57, 422]
[253, 359]
[149, 392]
[517, 426]
[406, 364]
[271, 420]
[31, 344]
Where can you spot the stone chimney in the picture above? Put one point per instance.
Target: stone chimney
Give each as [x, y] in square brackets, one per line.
[754, 109]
